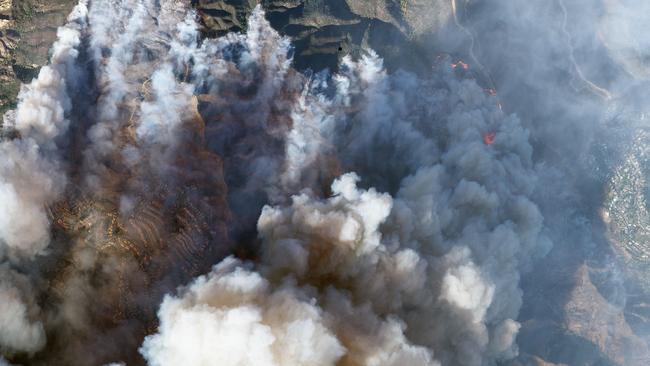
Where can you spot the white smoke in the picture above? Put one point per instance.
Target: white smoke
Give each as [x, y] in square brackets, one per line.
[27, 182]
[240, 320]
[30, 176]
[160, 117]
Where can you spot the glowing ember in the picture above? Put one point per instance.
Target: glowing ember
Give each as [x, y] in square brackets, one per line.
[460, 64]
[488, 138]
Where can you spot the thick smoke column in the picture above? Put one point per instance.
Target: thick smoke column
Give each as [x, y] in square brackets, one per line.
[30, 178]
[30, 171]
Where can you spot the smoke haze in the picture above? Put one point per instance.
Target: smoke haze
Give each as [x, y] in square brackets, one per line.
[172, 199]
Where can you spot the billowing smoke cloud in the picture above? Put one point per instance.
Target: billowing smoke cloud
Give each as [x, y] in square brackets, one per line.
[282, 322]
[360, 217]
[447, 250]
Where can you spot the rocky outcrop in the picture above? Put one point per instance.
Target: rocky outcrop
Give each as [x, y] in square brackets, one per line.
[322, 31]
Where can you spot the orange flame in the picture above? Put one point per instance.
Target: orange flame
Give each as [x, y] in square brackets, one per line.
[488, 138]
[460, 64]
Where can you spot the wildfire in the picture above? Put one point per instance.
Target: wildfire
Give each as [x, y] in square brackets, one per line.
[491, 92]
[488, 138]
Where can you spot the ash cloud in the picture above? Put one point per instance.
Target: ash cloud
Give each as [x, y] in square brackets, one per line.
[361, 217]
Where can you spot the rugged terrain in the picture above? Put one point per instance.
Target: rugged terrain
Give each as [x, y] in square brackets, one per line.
[27, 30]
